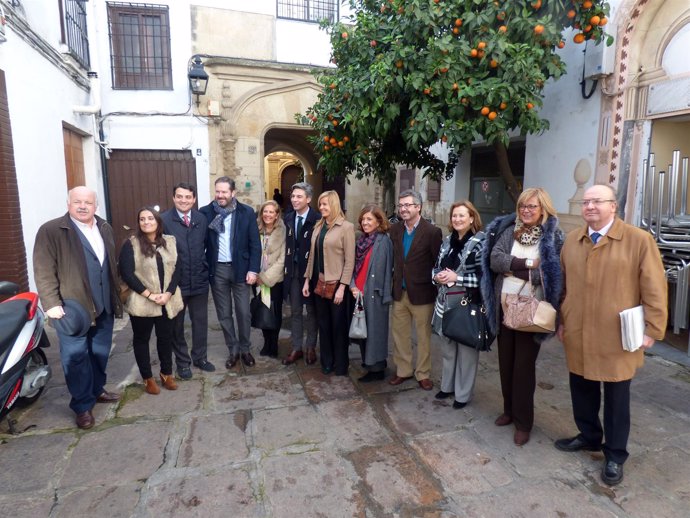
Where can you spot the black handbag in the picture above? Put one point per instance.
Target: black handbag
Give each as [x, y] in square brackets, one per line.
[467, 324]
[263, 317]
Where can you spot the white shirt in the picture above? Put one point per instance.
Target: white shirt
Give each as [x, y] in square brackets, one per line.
[303, 216]
[93, 236]
[224, 253]
[603, 231]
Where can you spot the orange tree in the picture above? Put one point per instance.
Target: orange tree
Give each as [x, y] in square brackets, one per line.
[410, 73]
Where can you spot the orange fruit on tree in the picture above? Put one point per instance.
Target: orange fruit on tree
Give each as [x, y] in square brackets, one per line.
[327, 139]
[501, 16]
[332, 141]
[503, 106]
[458, 22]
[587, 28]
[538, 29]
[536, 5]
[326, 147]
[346, 138]
[335, 122]
[502, 28]
[481, 45]
[594, 20]
[332, 86]
[579, 38]
[560, 44]
[344, 35]
[485, 110]
[603, 21]
[480, 54]
[474, 53]
[443, 70]
[493, 63]
[456, 31]
[571, 14]
[341, 143]
[492, 115]
[399, 63]
[587, 4]
[455, 86]
[464, 101]
[427, 91]
[530, 106]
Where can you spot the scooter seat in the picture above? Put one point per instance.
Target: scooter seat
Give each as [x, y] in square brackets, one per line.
[13, 316]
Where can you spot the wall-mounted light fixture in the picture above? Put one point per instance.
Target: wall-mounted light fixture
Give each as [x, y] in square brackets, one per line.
[198, 78]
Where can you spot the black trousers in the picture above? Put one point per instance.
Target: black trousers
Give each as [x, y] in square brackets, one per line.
[271, 337]
[197, 305]
[586, 398]
[334, 327]
[141, 330]
[517, 357]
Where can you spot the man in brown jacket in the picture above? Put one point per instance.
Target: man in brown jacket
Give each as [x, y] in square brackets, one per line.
[416, 243]
[609, 266]
[74, 262]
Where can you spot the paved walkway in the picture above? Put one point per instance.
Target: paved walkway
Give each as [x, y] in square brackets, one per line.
[275, 441]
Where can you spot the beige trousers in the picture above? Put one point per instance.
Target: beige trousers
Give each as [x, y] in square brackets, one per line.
[404, 313]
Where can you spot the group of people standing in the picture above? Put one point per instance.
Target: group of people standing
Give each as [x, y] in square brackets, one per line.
[316, 262]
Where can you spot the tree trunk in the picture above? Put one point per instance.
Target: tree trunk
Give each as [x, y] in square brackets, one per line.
[506, 172]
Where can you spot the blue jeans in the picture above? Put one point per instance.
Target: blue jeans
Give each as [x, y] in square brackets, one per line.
[84, 359]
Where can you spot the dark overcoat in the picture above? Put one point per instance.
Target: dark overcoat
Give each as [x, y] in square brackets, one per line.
[191, 250]
[293, 269]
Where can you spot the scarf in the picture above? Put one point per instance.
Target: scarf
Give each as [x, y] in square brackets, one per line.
[525, 235]
[452, 258]
[218, 223]
[364, 244]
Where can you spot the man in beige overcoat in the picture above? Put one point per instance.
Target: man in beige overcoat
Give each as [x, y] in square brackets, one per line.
[608, 266]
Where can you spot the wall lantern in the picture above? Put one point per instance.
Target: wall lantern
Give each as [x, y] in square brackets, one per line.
[198, 78]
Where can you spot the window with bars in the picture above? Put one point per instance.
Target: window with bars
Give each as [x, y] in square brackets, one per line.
[74, 32]
[308, 10]
[139, 46]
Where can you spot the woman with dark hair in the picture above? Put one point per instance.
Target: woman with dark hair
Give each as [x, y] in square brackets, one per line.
[372, 279]
[329, 272]
[147, 265]
[526, 246]
[457, 276]
[270, 279]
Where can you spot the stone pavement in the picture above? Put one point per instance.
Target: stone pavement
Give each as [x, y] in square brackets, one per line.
[276, 441]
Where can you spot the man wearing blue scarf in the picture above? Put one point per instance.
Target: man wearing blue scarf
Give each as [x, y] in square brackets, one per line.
[233, 252]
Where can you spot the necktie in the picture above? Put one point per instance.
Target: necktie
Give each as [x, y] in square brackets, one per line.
[596, 236]
[299, 226]
[185, 220]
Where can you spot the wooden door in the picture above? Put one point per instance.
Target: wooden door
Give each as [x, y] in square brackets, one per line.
[74, 158]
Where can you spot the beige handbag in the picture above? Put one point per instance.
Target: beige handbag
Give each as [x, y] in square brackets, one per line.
[528, 314]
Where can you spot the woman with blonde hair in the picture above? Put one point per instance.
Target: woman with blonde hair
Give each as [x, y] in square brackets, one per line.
[270, 278]
[328, 275]
[525, 245]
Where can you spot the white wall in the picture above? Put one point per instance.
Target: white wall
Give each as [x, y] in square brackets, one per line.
[39, 101]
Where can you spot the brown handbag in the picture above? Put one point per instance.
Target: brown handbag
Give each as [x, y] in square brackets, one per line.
[326, 289]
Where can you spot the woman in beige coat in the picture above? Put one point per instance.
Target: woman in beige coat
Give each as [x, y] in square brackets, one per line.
[148, 265]
[272, 236]
[329, 273]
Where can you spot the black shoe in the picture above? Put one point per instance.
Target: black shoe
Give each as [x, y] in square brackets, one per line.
[576, 443]
[612, 473]
[232, 361]
[443, 395]
[458, 404]
[184, 373]
[372, 376]
[326, 370]
[265, 351]
[247, 359]
[205, 366]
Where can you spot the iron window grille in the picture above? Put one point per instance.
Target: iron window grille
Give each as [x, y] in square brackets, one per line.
[74, 30]
[308, 10]
[139, 46]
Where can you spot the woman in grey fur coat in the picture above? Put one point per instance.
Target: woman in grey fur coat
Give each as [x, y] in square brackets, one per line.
[525, 246]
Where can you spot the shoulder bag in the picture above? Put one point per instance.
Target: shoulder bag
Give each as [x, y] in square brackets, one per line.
[358, 326]
[467, 324]
[528, 314]
[263, 317]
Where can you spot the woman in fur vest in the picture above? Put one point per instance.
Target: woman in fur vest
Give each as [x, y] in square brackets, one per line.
[270, 279]
[148, 262]
[524, 246]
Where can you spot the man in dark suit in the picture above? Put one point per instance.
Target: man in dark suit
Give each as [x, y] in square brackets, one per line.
[299, 223]
[74, 260]
[189, 226]
[233, 254]
[416, 243]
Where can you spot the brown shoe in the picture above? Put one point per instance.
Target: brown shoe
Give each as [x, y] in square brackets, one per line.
[85, 420]
[426, 384]
[521, 437]
[310, 358]
[151, 386]
[108, 397]
[503, 420]
[397, 380]
[168, 381]
[293, 357]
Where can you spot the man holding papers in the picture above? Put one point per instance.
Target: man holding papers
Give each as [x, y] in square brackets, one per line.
[608, 266]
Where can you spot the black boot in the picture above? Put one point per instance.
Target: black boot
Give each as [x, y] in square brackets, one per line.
[372, 376]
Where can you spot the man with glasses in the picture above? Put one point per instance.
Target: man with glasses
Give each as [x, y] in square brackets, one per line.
[416, 243]
[609, 266]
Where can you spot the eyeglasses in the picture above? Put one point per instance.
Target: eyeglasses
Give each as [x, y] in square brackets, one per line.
[407, 205]
[530, 208]
[596, 201]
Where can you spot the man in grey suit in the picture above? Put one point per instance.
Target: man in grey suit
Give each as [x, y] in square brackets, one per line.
[74, 260]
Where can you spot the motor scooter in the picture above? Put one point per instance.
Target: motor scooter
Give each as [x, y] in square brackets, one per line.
[24, 369]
